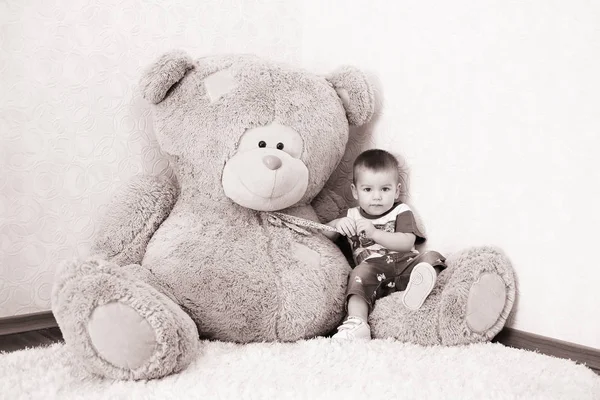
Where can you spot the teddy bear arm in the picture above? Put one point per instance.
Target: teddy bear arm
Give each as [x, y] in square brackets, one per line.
[135, 212]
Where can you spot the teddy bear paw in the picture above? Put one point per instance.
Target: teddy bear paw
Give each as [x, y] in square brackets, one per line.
[479, 295]
[119, 326]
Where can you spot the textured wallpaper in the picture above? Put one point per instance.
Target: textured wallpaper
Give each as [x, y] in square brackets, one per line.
[73, 127]
[493, 108]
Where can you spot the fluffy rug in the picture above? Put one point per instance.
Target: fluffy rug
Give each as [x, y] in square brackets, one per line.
[314, 369]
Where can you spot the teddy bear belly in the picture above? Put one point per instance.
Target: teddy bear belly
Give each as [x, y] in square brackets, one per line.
[255, 289]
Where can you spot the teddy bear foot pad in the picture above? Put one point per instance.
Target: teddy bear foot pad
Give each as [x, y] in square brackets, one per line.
[485, 302]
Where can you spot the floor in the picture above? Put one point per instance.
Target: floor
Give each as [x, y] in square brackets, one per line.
[19, 341]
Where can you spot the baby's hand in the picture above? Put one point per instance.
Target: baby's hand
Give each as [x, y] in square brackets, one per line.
[346, 226]
[363, 225]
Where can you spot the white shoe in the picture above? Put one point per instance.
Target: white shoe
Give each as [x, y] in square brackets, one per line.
[353, 328]
[421, 283]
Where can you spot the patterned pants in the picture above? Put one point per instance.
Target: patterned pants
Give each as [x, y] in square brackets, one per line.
[378, 277]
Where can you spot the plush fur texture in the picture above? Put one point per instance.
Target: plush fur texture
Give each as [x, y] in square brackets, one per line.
[143, 204]
[179, 261]
[443, 317]
[356, 94]
[83, 287]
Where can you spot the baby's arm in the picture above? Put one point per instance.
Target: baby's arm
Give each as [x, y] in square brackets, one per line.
[344, 226]
[395, 241]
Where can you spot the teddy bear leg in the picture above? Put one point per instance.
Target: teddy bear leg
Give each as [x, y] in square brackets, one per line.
[478, 297]
[391, 319]
[118, 325]
[470, 303]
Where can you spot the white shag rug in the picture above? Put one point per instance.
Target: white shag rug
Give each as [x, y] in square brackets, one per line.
[314, 369]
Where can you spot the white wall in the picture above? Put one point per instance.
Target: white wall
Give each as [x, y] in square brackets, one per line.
[72, 126]
[492, 104]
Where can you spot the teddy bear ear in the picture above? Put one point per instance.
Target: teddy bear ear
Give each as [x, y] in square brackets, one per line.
[163, 74]
[356, 93]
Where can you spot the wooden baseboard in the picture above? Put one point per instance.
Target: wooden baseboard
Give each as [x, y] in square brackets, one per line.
[27, 322]
[507, 336]
[551, 347]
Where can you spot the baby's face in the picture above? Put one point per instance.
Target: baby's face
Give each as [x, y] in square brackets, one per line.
[376, 191]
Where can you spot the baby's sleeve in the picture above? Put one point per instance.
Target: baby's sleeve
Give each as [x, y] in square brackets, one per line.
[350, 212]
[406, 223]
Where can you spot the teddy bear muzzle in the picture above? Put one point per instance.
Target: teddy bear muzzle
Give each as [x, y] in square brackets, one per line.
[265, 179]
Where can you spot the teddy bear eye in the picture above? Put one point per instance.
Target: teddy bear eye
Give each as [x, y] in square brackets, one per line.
[262, 143]
[280, 146]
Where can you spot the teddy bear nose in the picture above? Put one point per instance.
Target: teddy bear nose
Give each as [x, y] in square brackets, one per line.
[272, 162]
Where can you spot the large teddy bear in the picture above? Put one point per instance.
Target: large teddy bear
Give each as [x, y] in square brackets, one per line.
[204, 258]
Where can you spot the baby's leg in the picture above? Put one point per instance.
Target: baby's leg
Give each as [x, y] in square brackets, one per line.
[419, 278]
[361, 293]
[421, 283]
[358, 307]
[364, 283]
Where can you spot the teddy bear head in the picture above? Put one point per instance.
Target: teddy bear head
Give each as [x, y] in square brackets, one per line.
[240, 128]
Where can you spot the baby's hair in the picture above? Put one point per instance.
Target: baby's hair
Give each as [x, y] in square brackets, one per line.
[375, 160]
[380, 160]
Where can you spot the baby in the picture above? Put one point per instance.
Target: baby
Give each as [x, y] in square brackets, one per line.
[382, 233]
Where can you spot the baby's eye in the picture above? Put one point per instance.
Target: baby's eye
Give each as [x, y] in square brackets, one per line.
[367, 189]
[262, 143]
[386, 189]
